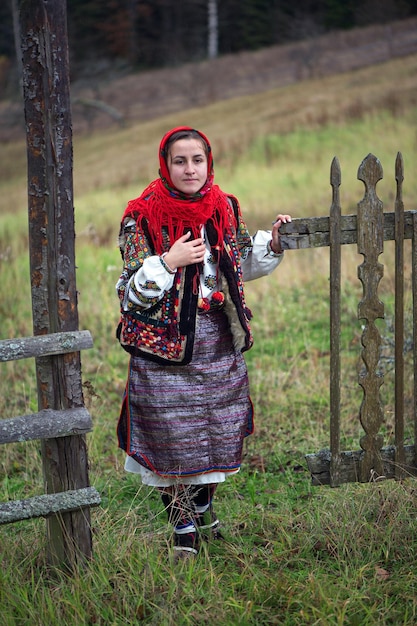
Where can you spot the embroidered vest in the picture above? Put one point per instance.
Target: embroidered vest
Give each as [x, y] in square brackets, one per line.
[165, 332]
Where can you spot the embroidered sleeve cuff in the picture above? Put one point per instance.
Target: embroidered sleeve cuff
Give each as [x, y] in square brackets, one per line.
[165, 265]
[271, 252]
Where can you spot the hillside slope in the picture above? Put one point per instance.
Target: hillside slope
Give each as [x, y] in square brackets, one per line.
[119, 157]
[137, 97]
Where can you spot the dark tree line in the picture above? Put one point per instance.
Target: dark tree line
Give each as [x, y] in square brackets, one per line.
[156, 33]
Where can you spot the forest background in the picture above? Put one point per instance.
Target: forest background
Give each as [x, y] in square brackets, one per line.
[121, 35]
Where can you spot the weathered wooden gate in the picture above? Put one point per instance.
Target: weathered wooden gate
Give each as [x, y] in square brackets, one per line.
[368, 229]
[62, 420]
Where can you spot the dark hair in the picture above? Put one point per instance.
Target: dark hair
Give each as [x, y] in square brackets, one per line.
[185, 134]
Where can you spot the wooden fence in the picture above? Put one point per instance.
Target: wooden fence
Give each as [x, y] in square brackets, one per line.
[368, 230]
[62, 420]
[49, 425]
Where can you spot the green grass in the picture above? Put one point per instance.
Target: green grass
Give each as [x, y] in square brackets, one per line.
[294, 554]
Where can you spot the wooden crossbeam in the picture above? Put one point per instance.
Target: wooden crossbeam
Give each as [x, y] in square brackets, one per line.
[48, 504]
[350, 465]
[45, 424]
[45, 345]
[314, 232]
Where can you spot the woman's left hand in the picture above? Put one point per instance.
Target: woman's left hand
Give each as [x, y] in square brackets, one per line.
[275, 241]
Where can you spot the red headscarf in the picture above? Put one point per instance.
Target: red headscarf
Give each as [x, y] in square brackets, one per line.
[162, 205]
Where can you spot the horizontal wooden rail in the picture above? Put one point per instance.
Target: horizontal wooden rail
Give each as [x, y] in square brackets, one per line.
[45, 345]
[49, 504]
[47, 424]
[314, 232]
[319, 465]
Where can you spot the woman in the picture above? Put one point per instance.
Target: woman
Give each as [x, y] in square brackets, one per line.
[184, 320]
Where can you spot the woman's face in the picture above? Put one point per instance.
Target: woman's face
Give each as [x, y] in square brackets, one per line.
[187, 165]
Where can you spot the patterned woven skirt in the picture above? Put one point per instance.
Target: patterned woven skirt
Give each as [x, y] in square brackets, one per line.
[192, 419]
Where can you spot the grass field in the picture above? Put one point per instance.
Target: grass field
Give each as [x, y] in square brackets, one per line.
[294, 554]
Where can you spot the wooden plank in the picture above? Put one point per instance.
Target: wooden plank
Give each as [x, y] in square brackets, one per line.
[370, 309]
[399, 318]
[350, 465]
[45, 424]
[45, 345]
[314, 232]
[335, 293]
[49, 504]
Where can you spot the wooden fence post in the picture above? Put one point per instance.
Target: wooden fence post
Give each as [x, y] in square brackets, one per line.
[335, 292]
[399, 320]
[52, 258]
[414, 294]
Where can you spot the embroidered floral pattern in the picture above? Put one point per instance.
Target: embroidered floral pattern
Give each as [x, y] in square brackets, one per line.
[244, 240]
[150, 285]
[211, 260]
[210, 281]
[136, 250]
[151, 338]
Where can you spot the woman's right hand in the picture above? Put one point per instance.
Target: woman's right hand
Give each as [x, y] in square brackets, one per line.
[184, 252]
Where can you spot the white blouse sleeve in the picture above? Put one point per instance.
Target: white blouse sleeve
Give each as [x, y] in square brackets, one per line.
[260, 261]
[148, 284]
